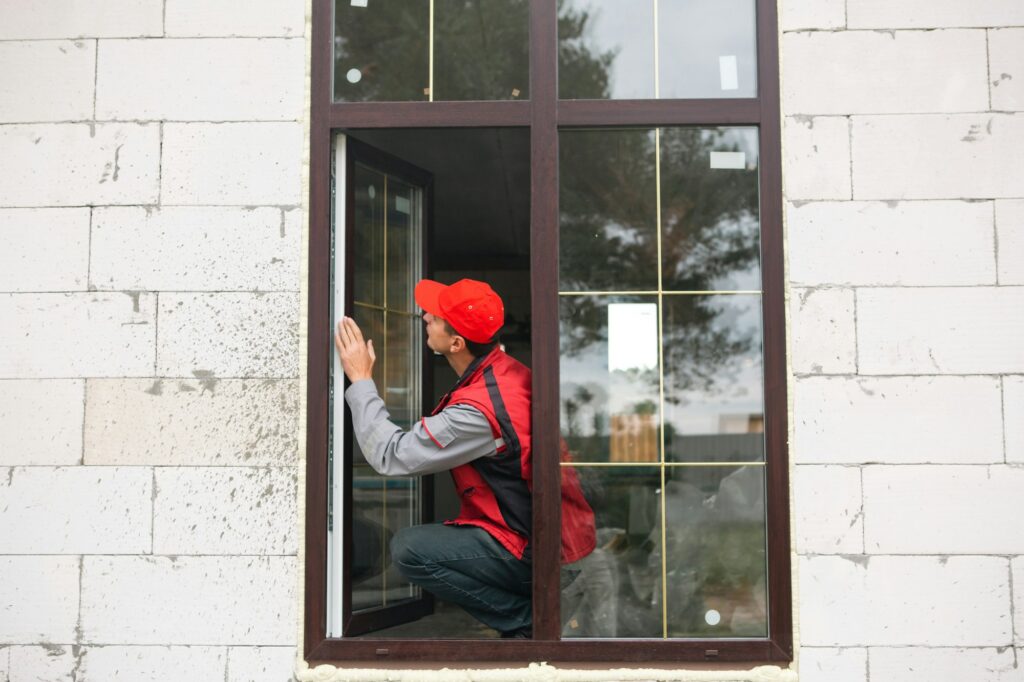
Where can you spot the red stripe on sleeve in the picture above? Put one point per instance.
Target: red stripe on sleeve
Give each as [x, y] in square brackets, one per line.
[423, 421]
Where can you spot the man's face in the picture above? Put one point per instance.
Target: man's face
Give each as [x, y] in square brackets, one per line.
[438, 338]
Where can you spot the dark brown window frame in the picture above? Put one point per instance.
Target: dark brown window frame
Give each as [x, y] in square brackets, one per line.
[544, 114]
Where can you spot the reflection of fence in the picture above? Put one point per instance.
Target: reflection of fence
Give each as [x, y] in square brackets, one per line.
[634, 438]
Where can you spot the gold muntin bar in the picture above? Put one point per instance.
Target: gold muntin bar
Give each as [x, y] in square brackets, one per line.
[652, 465]
[655, 292]
[390, 311]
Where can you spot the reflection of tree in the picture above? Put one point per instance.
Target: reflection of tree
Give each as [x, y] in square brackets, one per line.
[481, 51]
[608, 242]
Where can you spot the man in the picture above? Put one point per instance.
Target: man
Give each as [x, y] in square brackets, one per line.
[480, 431]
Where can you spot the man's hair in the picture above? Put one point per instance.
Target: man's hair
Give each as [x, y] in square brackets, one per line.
[477, 350]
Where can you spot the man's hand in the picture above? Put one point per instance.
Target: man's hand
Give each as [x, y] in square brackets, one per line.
[357, 357]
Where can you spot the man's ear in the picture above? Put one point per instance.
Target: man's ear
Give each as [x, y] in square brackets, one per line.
[458, 343]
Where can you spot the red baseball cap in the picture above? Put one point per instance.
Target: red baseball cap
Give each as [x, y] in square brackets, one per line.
[470, 307]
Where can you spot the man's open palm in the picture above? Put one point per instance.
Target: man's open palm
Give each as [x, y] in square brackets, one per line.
[357, 356]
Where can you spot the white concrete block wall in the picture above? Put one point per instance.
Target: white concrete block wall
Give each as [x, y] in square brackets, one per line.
[149, 396]
[150, 228]
[905, 244]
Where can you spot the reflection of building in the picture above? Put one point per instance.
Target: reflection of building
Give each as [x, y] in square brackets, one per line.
[741, 423]
[634, 438]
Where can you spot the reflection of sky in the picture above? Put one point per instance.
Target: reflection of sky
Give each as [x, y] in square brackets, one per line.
[627, 28]
[692, 35]
[738, 386]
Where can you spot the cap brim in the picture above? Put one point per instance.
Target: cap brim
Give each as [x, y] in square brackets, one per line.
[427, 295]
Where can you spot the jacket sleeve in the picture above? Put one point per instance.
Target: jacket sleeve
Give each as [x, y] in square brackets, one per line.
[457, 435]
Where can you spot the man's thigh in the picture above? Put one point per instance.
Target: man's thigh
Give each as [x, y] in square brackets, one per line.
[468, 550]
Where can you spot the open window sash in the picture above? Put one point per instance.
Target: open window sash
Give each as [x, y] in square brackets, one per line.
[381, 224]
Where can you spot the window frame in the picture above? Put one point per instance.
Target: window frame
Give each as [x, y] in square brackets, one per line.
[544, 114]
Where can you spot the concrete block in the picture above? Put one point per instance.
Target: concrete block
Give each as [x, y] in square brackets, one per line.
[882, 14]
[44, 249]
[816, 158]
[77, 164]
[823, 331]
[225, 510]
[1010, 237]
[43, 663]
[192, 422]
[189, 600]
[154, 663]
[196, 248]
[38, 598]
[929, 664]
[46, 80]
[41, 421]
[970, 330]
[943, 509]
[1013, 417]
[206, 79]
[1006, 68]
[952, 156]
[77, 335]
[243, 164]
[81, 19]
[801, 14]
[827, 664]
[236, 18]
[261, 663]
[75, 510]
[866, 72]
[897, 420]
[228, 335]
[904, 601]
[906, 243]
[827, 502]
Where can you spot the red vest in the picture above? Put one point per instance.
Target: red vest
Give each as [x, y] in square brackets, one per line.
[496, 492]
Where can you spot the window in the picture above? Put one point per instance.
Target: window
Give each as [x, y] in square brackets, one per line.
[624, 167]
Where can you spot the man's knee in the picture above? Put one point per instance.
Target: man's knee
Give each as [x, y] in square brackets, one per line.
[406, 547]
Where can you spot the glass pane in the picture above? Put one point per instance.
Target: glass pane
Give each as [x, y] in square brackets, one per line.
[384, 50]
[370, 538]
[709, 209]
[606, 49]
[615, 590]
[402, 369]
[714, 405]
[402, 244]
[481, 49]
[716, 573]
[609, 378]
[368, 235]
[381, 50]
[608, 211]
[707, 49]
[381, 506]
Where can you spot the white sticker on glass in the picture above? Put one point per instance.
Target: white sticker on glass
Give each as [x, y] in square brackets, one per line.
[402, 205]
[728, 72]
[359, 3]
[372, 191]
[632, 336]
[734, 160]
[712, 617]
[354, 76]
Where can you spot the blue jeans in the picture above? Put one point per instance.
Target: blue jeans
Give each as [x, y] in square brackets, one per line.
[466, 566]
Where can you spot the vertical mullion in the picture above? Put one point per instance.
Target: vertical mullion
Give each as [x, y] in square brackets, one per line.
[780, 623]
[318, 349]
[544, 304]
